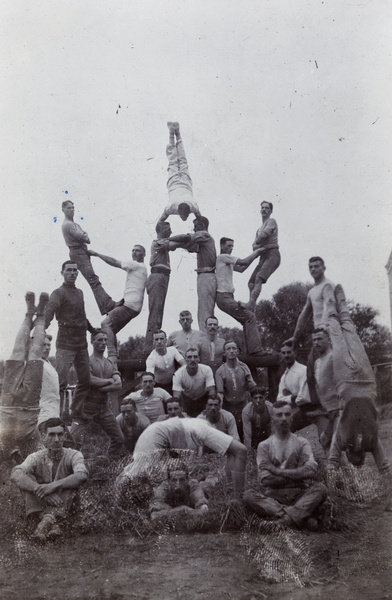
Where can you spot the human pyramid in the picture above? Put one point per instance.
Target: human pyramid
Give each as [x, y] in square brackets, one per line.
[190, 399]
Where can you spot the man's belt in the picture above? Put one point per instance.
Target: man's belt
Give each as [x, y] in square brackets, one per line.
[161, 270]
[206, 270]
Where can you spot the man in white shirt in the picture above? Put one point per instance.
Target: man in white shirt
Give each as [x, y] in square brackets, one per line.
[162, 361]
[193, 384]
[149, 400]
[225, 265]
[293, 386]
[186, 337]
[49, 400]
[135, 285]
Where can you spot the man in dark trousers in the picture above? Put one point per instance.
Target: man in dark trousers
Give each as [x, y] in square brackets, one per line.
[67, 304]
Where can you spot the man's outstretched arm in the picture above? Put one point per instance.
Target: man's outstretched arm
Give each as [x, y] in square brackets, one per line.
[113, 262]
[243, 263]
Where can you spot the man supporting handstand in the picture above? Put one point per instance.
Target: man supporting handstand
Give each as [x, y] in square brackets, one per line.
[179, 182]
[47, 478]
[19, 405]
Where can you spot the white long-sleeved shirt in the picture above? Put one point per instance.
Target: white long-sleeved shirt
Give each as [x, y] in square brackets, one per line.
[294, 380]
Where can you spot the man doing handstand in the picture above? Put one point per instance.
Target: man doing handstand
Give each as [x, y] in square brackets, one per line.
[179, 182]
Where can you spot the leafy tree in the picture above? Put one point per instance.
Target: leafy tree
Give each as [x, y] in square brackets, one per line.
[376, 338]
[277, 319]
[133, 348]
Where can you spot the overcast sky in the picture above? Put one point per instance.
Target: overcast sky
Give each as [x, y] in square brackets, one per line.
[278, 100]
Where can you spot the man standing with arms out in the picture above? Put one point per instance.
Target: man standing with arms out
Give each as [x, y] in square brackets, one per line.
[233, 384]
[103, 379]
[158, 280]
[19, 405]
[135, 285]
[48, 478]
[266, 238]
[285, 464]
[67, 304]
[186, 337]
[149, 401]
[256, 418]
[77, 240]
[193, 384]
[202, 242]
[162, 361]
[132, 424]
[219, 418]
[225, 264]
[179, 182]
[212, 346]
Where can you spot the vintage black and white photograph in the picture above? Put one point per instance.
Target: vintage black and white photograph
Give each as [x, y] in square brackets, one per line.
[196, 293]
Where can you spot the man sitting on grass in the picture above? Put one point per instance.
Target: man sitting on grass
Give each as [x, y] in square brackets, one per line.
[48, 478]
[178, 496]
[285, 466]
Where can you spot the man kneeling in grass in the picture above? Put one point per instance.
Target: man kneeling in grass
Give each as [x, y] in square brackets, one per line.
[48, 478]
[178, 496]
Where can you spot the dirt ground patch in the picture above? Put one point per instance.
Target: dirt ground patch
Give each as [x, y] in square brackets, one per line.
[341, 565]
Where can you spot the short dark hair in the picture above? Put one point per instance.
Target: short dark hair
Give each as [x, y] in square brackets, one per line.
[184, 208]
[158, 331]
[68, 262]
[281, 404]
[288, 344]
[53, 422]
[160, 226]
[95, 333]
[172, 399]
[127, 402]
[203, 221]
[192, 350]
[64, 204]
[317, 259]
[211, 317]
[270, 204]
[140, 246]
[229, 342]
[147, 373]
[184, 313]
[258, 389]
[48, 336]
[223, 240]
